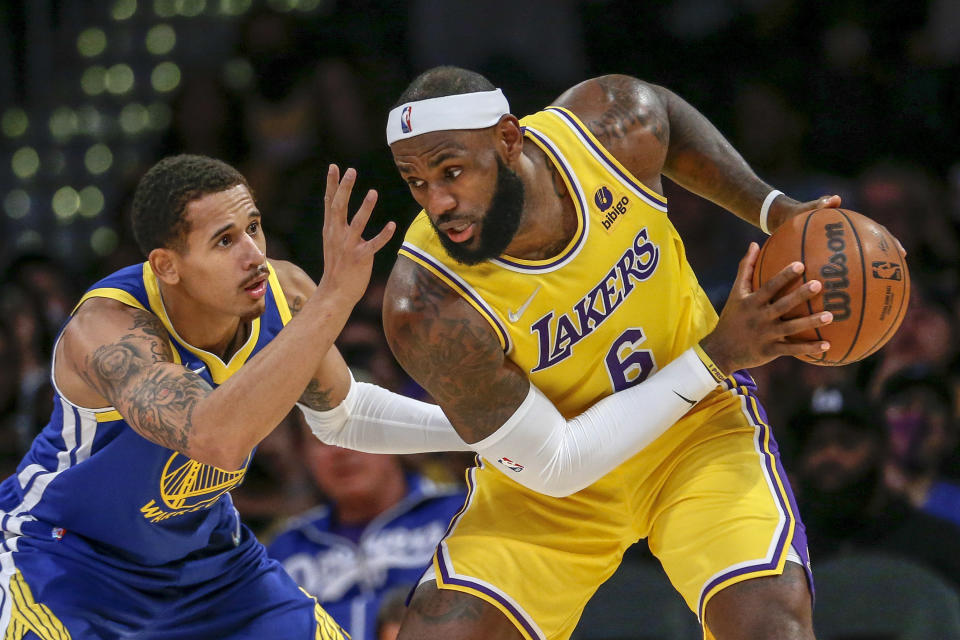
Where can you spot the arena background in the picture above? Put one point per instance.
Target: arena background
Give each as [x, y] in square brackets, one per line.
[850, 97]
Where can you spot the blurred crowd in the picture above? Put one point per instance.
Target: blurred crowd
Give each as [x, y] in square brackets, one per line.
[848, 97]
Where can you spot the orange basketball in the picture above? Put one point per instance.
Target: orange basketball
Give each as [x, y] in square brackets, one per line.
[866, 284]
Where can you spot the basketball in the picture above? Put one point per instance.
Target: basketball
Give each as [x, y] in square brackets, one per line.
[866, 284]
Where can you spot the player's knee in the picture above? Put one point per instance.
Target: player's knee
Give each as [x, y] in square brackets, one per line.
[453, 615]
[776, 607]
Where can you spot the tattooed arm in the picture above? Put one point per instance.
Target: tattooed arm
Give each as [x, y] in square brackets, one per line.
[652, 131]
[117, 356]
[451, 351]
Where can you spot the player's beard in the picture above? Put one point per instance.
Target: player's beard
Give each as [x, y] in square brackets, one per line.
[500, 223]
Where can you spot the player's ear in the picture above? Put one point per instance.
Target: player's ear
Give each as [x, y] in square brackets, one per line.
[510, 137]
[164, 264]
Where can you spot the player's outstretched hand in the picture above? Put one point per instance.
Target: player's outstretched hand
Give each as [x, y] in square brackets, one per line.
[751, 331]
[347, 257]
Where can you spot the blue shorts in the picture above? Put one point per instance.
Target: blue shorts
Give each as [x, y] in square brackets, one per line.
[57, 589]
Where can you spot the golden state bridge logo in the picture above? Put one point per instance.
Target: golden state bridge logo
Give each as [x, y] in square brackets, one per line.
[187, 485]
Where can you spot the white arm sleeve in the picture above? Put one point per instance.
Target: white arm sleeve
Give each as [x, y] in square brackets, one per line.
[375, 420]
[543, 451]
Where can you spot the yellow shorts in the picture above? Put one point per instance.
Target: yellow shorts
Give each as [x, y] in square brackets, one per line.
[710, 495]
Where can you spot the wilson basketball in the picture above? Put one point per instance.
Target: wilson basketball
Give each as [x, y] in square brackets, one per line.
[866, 284]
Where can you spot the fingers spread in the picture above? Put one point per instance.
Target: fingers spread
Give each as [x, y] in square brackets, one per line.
[341, 197]
[377, 242]
[795, 297]
[362, 216]
[779, 281]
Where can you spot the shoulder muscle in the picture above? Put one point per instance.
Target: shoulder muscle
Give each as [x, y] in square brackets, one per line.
[296, 284]
[628, 116]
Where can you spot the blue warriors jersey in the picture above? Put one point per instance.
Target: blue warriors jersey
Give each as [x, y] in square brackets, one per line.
[88, 473]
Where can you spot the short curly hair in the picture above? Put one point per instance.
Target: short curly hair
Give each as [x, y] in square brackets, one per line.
[444, 81]
[163, 193]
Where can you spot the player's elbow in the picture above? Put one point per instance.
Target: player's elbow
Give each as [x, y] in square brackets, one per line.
[221, 455]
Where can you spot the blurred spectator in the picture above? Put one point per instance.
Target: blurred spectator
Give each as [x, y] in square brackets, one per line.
[917, 407]
[841, 494]
[33, 343]
[906, 200]
[50, 285]
[207, 120]
[10, 449]
[377, 531]
[274, 487]
[927, 336]
[535, 64]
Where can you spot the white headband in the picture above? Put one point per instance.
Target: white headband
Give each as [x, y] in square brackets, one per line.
[477, 110]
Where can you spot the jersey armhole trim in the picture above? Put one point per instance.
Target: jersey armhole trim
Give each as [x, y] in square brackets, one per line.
[279, 296]
[462, 288]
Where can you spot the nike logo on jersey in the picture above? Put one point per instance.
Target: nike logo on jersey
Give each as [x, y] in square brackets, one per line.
[199, 369]
[687, 400]
[514, 316]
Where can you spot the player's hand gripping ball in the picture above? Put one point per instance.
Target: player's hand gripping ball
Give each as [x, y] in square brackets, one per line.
[866, 284]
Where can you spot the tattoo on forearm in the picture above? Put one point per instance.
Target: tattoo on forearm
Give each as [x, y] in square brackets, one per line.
[157, 402]
[317, 397]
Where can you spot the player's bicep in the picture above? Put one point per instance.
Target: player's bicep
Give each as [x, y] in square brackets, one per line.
[450, 350]
[126, 358]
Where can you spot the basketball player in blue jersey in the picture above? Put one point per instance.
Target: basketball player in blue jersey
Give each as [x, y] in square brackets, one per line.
[118, 522]
[544, 299]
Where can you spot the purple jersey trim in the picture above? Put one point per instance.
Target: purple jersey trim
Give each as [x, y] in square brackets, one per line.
[463, 289]
[742, 383]
[447, 573]
[605, 157]
[581, 204]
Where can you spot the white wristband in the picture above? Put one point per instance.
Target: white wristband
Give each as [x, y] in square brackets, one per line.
[765, 209]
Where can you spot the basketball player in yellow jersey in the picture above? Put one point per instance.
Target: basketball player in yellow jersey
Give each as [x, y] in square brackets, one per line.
[545, 301]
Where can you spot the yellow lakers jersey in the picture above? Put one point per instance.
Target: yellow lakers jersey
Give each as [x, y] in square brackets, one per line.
[619, 302]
